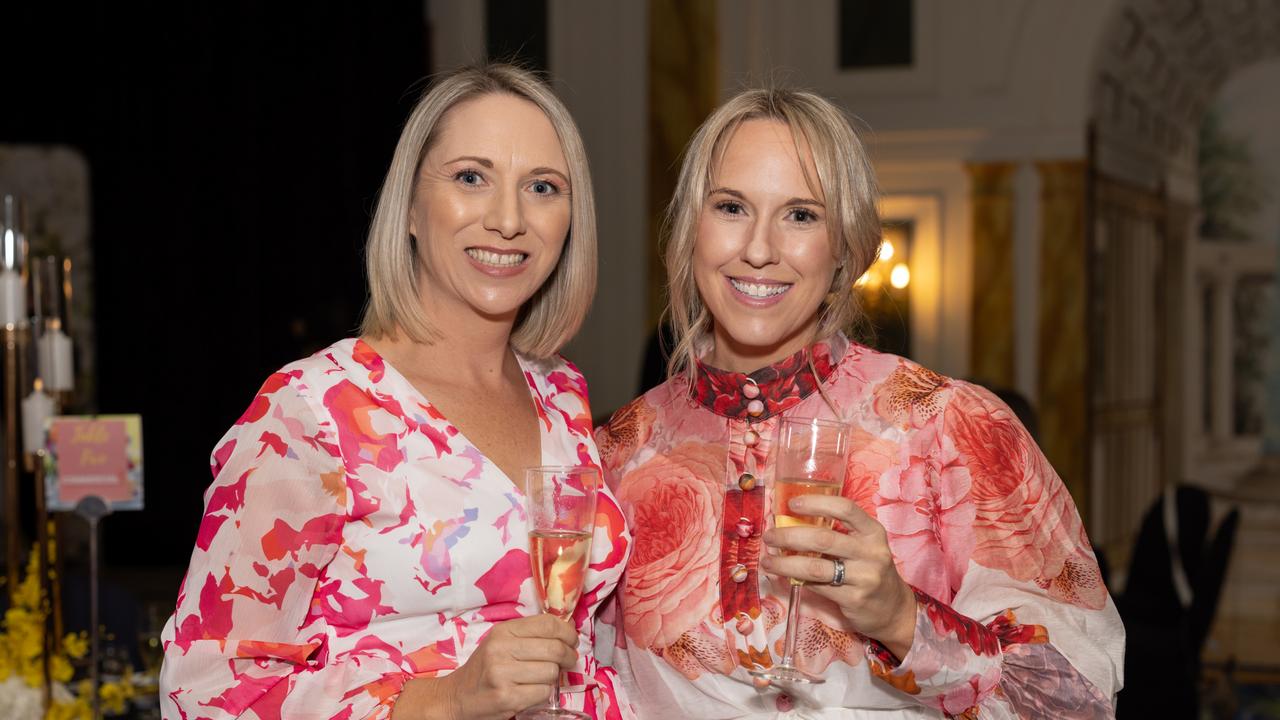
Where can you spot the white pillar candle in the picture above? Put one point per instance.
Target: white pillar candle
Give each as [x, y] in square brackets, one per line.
[13, 298]
[37, 408]
[54, 357]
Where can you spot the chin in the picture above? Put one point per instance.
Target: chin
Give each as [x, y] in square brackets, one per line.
[765, 336]
[764, 340]
[500, 305]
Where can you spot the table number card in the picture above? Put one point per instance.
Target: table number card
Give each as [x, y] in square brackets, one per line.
[94, 455]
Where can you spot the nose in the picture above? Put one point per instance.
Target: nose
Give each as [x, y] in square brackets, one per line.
[761, 249]
[504, 215]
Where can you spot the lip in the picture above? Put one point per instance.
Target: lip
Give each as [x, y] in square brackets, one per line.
[493, 270]
[751, 301]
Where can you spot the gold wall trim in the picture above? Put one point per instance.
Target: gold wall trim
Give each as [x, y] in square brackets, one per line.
[683, 90]
[992, 349]
[1063, 342]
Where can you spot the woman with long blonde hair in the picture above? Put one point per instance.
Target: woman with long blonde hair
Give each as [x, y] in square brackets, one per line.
[957, 578]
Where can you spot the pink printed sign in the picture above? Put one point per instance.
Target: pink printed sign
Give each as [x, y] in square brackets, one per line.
[95, 456]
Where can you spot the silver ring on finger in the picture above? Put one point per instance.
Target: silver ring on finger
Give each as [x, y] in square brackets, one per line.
[837, 577]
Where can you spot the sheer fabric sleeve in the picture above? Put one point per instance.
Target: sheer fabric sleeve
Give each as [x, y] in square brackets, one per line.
[249, 636]
[1017, 622]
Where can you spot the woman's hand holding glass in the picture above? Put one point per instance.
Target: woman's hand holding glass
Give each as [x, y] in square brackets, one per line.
[514, 667]
[872, 595]
[561, 506]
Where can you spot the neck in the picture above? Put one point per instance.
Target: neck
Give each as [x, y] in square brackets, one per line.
[729, 354]
[472, 348]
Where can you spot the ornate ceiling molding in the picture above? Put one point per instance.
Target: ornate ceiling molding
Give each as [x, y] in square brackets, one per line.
[1160, 65]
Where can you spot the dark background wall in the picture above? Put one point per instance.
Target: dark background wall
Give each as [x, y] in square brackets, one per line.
[235, 152]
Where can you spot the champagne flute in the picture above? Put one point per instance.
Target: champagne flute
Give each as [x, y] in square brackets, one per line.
[813, 455]
[561, 503]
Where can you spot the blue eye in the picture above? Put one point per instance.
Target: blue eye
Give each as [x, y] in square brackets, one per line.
[468, 177]
[803, 216]
[543, 187]
[730, 208]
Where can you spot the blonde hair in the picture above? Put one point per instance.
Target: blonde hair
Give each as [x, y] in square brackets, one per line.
[845, 178]
[552, 316]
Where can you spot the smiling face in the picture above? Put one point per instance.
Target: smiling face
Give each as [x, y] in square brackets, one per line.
[763, 259]
[491, 209]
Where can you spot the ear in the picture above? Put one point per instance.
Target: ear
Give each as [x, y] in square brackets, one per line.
[413, 221]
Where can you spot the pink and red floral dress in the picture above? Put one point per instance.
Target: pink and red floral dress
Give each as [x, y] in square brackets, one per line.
[353, 539]
[1013, 622]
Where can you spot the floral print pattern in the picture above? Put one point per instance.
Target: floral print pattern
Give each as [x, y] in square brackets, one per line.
[1024, 525]
[678, 505]
[354, 539]
[1007, 586]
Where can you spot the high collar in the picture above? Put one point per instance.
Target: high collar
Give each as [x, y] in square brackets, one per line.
[781, 385]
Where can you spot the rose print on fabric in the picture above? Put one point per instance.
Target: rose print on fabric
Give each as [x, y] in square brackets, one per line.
[1026, 523]
[671, 580]
[870, 458]
[927, 512]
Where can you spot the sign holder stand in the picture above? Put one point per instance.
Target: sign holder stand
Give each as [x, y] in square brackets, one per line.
[93, 508]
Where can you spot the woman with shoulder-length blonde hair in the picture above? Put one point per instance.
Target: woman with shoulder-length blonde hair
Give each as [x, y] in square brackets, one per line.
[952, 574]
[364, 549]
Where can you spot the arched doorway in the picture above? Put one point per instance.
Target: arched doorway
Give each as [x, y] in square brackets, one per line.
[1161, 294]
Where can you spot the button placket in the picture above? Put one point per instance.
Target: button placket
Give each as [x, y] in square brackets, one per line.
[742, 524]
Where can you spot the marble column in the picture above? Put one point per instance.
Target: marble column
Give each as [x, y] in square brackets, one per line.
[992, 347]
[683, 90]
[1064, 389]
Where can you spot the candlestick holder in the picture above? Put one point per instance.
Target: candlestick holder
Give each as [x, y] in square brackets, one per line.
[25, 414]
[13, 320]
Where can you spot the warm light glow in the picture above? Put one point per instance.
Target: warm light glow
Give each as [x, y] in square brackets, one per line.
[861, 281]
[66, 283]
[886, 250]
[900, 276]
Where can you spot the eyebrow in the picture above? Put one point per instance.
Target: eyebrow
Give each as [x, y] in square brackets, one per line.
[486, 162]
[740, 196]
[550, 171]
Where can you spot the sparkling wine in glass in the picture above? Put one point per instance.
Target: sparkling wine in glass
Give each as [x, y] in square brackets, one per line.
[812, 457]
[561, 504]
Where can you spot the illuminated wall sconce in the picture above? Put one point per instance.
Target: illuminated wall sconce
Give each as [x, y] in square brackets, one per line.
[900, 276]
[883, 289]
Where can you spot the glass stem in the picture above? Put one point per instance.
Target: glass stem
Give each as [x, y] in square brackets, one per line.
[793, 619]
[555, 693]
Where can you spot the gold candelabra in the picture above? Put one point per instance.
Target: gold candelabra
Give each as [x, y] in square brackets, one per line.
[37, 355]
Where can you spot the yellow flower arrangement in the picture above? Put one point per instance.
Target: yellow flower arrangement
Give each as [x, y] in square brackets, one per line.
[22, 662]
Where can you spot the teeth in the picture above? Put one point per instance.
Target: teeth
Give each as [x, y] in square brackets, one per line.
[757, 290]
[496, 259]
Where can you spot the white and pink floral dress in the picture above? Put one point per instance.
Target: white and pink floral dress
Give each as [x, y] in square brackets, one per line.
[1014, 620]
[354, 539]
